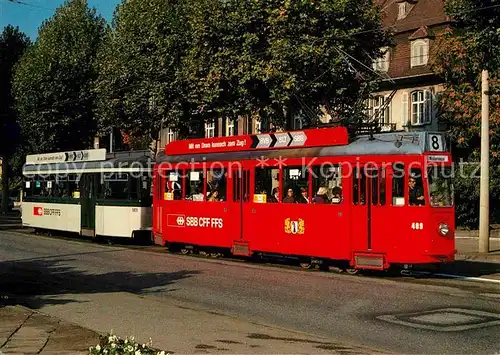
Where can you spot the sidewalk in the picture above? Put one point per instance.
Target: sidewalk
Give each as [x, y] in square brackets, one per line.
[10, 221]
[23, 331]
[467, 245]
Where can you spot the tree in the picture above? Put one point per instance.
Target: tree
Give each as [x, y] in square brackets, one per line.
[138, 85]
[461, 55]
[458, 61]
[279, 59]
[13, 44]
[53, 81]
[187, 63]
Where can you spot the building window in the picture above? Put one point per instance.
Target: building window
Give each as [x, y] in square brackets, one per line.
[420, 107]
[402, 10]
[209, 130]
[298, 122]
[258, 126]
[382, 63]
[229, 127]
[170, 135]
[419, 52]
[376, 109]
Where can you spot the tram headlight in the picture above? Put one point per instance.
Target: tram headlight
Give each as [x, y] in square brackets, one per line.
[444, 229]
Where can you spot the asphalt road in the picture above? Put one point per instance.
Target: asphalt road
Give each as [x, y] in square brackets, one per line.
[387, 314]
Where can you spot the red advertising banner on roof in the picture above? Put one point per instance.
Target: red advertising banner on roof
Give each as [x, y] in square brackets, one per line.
[319, 137]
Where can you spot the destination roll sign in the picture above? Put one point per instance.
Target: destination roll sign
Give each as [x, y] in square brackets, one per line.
[280, 140]
[67, 157]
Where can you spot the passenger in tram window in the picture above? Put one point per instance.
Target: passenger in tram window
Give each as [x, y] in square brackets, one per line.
[289, 198]
[214, 196]
[337, 195]
[321, 196]
[303, 198]
[274, 197]
[416, 196]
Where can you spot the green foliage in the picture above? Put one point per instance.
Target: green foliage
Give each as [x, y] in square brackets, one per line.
[138, 85]
[457, 62]
[13, 44]
[466, 184]
[52, 83]
[479, 20]
[190, 62]
[460, 57]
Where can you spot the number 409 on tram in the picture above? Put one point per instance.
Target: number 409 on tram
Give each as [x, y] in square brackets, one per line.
[367, 203]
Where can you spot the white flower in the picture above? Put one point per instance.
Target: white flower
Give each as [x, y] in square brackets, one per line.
[126, 341]
[98, 347]
[161, 353]
[130, 348]
[144, 346]
[113, 345]
[138, 352]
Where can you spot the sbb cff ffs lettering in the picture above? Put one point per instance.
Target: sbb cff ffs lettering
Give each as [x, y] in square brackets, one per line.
[204, 222]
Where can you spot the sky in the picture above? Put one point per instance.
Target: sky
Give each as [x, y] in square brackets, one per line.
[30, 15]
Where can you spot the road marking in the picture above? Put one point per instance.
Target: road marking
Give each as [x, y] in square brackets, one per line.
[470, 278]
[445, 320]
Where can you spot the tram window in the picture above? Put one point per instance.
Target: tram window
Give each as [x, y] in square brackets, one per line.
[295, 180]
[359, 186]
[326, 184]
[416, 188]
[382, 182]
[173, 185]
[355, 186]
[374, 177]
[216, 185]
[236, 176]
[398, 183]
[266, 185]
[114, 186]
[194, 185]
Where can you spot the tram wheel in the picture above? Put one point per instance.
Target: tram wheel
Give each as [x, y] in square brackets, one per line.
[352, 271]
[305, 265]
[185, 251]
[215, 255]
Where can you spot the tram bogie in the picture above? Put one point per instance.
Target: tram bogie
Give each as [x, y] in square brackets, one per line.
[312, 195]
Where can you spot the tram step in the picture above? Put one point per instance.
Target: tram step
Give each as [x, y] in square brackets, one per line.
[241, 248]
[369, 261]
[88, 232]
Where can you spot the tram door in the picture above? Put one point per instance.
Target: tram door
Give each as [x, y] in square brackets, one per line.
[371, 214]
[88, 192]
[240, 201]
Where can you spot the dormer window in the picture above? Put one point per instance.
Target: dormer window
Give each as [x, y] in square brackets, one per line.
[382, 64]
[402, 10]
[419, 52]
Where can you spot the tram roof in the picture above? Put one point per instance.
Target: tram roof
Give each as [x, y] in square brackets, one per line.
[391, 143]
[120, 162]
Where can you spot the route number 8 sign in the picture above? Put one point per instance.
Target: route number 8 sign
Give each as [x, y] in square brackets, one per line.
[436, 143]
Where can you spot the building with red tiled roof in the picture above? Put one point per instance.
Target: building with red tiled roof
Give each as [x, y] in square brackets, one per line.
[409, 88]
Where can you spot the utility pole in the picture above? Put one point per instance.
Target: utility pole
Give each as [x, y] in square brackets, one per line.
[484, 202]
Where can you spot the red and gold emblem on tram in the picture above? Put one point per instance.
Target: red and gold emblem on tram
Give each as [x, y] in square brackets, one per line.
[294, 227]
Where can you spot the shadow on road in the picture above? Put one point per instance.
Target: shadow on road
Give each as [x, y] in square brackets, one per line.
[32, 282]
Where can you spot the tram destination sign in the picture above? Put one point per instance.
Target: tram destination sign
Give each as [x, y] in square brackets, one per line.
[281, 140]
[67, 157]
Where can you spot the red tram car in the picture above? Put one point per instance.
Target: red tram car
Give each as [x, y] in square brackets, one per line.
[377, 201]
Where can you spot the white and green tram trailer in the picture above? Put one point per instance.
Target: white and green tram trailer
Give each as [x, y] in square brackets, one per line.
[89, 192]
